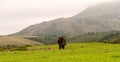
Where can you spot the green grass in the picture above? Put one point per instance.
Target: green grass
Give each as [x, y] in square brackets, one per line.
[74, 52]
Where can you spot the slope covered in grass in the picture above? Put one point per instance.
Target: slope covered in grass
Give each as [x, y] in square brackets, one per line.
[75, 52]
[16, 40]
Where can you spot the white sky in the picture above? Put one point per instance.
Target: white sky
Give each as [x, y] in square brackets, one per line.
[16, 15]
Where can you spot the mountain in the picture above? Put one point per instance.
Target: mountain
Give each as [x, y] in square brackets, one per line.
[96, 18]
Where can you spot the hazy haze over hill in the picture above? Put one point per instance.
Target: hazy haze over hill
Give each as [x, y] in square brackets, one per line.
[18, 14]
[96, 18]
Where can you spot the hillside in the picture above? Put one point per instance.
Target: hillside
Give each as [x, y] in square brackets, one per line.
[113, 37]
[89, 37]
[96, 18]
[16, 41]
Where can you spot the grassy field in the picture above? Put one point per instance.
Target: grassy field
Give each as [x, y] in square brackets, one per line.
[74, 52]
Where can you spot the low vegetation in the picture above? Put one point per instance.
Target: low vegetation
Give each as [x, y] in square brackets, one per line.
[105, 37]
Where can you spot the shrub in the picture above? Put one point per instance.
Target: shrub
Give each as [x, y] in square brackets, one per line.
[21, 48]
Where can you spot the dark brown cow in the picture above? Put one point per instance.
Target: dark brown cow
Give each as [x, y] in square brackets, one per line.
[61, 43]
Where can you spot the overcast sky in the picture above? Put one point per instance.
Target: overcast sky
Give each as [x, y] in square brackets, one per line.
[16, 15]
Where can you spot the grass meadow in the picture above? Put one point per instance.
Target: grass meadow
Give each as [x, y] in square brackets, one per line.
[74, 52]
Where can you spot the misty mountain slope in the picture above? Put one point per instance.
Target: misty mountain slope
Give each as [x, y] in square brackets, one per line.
[54, 27]
[104, 10]
[96, 18]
